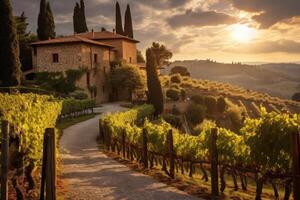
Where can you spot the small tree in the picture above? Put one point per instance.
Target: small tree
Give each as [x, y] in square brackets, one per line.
[127, 78]
[176, 78]
[119, 27]
[46, 25]
[128, 29]
[9, 47]
[84, 27]
[161, 53]
[25, 38]
[183, 71]
[296, 97]
[140, 57]
[155, 94]
[173, 94]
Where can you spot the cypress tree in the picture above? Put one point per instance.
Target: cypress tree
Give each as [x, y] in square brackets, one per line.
[41, 31]
[10, 71]
[50, 22]
[82, 17]
[76, 18]
[155, 94]
[119, 27]
[128, 23]
[46, 26]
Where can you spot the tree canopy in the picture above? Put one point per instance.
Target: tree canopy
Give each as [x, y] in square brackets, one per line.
[127, 77]
[128, 29]
[155, 94]
[161, 53]
[119, 26]
[10, 68]
[25, 38]
[79, 20]
[46, 25]
[140, 57]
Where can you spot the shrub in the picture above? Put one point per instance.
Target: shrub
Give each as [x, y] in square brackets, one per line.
[296, 97]
[173, 120]
[176, 78]
[183, 94]
[173, 94]
[175, 110]
[195, 113]
[211, 104]
[183, 71]
[79, 95]
[221, 104]
[197, 99]
[175, 86]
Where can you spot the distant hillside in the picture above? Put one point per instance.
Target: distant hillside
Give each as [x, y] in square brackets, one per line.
[281, 80]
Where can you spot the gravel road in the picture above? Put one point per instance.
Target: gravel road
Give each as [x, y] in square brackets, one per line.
[91, 175]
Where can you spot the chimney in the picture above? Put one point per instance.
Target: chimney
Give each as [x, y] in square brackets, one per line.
[93, 33]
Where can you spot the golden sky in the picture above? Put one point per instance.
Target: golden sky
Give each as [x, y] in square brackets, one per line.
[222, 30]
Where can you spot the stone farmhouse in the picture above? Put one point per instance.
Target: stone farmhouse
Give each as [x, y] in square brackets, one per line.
[93, 51]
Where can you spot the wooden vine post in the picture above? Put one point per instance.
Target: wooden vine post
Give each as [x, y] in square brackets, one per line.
[5, 160]
[101, 136]
[296, 165]
[51, 165]
[171, 153]
[123, 143]
[43, 178]
[214, 162]
[145, 149]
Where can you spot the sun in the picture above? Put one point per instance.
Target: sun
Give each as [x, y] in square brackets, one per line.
[243, 33]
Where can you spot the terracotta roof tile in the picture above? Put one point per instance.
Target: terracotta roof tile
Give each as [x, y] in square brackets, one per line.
[70, 39]
[105, 35]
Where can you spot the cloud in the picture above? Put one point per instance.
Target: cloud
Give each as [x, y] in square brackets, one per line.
[269, 12]
[200, 18]
[278, 46]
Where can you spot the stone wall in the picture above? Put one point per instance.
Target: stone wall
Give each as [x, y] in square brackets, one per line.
[129, 52]
[124, 49]
[76, 56]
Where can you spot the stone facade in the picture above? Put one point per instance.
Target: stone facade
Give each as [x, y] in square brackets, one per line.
[125, 50]
[95, 59]
[85, 52]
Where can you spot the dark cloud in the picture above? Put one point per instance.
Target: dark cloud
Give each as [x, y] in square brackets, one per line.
[270, 11]
[200, 18]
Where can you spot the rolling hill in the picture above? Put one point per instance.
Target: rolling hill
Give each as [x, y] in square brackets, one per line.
[280, 80]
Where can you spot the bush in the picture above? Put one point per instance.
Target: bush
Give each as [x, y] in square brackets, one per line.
[173, 120]
[175, 110]
[197, 99]
[73, 105]
[183, 71]
[183, 94]
[296, 97]
[221, 104]
[195, 113]
[79, 95]
[173, 94]
[176, 78]
[30, 114]
[175, 86]
[211, 104]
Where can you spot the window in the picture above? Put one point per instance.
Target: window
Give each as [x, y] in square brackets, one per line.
[55, 58]
[95, 58]
[34, 51]
[130, 60]
[88, 79]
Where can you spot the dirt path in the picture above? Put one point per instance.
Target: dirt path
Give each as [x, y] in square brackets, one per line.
[91, 175]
